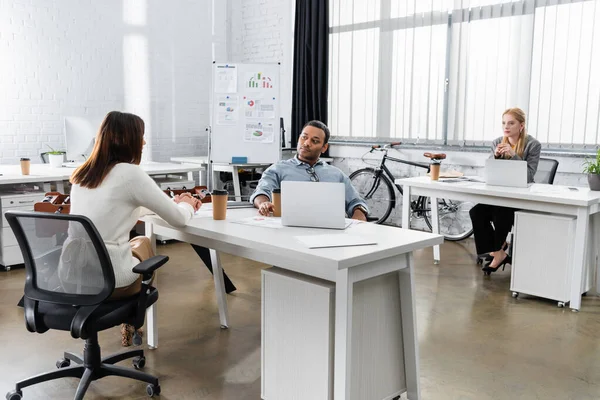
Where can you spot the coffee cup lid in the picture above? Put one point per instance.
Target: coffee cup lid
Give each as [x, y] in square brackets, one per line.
[219, 192]
[24, 159]
[276, 190]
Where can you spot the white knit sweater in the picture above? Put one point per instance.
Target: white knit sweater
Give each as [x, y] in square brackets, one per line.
[115, 206]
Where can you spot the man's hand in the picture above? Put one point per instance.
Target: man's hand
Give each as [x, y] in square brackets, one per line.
[359, 215]
[265, 208]
[264, 205]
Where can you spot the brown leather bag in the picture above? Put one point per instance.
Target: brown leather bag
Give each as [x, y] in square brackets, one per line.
[54, 202]
[199, 192]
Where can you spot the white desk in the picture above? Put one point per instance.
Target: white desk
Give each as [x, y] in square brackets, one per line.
[45, 174]
[345, 266]
[539, 197]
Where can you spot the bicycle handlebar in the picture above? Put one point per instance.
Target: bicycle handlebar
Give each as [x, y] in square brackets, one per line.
[387, 146]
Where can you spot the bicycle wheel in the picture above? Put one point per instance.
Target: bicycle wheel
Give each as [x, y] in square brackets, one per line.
[455, 222]
[377, 191]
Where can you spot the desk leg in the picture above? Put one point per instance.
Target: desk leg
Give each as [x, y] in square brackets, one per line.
[151, 312]
[579, 257]
[435, 224]
[219, 288]
[343, 334]
[152, 323]
[409, 329]
[406, 207]
[236, 183]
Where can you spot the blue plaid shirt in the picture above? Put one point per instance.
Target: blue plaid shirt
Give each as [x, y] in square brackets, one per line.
[296, 170]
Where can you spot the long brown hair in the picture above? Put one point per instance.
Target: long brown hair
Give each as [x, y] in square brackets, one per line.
[119, 140]
[519, 115]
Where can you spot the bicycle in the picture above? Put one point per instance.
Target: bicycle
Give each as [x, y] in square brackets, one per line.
[376, 187]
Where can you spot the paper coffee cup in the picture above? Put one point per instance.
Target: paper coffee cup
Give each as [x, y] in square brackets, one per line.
[25, 165]
[219, 203]
[277, 202]
[435, 171]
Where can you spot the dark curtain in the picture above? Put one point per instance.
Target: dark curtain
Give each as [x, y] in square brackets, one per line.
[311, 64]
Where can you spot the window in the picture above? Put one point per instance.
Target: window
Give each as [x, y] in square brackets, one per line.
[444, 71]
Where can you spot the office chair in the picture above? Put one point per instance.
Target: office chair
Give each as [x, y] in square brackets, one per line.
[546, 171]
[69, 279]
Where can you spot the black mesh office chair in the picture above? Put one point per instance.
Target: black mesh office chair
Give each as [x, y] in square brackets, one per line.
[69, 279]
[546, 171]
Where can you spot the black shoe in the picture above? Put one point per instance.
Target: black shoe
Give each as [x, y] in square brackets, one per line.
[488, 270]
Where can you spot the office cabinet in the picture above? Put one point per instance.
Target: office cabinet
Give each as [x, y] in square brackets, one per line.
[10, 254]
[543, 256]
[298, 323]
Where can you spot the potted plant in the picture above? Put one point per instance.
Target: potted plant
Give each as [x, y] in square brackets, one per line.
[55, 157]
[591, 166]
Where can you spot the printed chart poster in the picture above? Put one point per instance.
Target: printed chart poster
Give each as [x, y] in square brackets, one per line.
[258, 107]
[259, 132]
[225, 78]
[258, 82]
[227, 110]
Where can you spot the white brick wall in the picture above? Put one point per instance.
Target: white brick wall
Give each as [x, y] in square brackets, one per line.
[87, 57]
[262, 31]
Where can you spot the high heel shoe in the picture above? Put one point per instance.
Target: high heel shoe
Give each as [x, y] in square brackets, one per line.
[488, 270]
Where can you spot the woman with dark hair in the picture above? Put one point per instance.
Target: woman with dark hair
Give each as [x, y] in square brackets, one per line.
[112, 190]
[491, 224]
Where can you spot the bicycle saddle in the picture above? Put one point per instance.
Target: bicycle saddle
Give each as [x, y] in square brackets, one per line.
[434, 156]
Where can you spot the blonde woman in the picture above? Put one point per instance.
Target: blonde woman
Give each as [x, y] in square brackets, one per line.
[515, 144]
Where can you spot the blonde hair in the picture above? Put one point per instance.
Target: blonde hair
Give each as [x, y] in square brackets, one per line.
[519, 115]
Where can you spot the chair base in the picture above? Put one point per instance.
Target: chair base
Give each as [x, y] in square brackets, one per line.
[91, 367]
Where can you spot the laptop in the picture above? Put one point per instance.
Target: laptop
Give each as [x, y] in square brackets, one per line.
[506, 173]
[313, 204]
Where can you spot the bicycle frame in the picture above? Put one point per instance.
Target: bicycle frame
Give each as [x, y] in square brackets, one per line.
[417, 206]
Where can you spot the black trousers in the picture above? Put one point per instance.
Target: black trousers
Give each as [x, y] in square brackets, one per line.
[490, 238]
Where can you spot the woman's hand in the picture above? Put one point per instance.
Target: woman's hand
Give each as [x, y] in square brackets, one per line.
[504, 149]
[188, 198]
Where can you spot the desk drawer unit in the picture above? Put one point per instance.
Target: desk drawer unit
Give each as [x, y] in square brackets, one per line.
[543, 256]
[10, 254]
[298, 338]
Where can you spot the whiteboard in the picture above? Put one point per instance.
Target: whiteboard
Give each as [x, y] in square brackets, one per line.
[245, 113]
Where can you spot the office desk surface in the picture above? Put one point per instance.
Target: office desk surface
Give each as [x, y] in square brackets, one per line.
[536, 192]
[279, 246]
[45, 173]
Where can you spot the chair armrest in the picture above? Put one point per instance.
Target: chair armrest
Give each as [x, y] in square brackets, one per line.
[79, 321]
[146, 268]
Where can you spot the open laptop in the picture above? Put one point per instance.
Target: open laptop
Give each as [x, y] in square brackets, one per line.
[313, 204]
[506, 173]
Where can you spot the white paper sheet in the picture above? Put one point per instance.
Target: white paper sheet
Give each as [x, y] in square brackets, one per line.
[225, 78]
[260, 221]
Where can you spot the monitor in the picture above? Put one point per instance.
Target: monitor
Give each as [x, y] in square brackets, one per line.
[80, 133]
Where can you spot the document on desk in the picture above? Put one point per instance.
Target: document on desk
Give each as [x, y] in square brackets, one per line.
[335, 240]
[260, 221]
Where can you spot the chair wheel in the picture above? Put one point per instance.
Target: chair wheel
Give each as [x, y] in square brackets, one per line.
[14, 395]
[153, 390]
[63, 363]
[515, 294]
[137, 339]
[139, 362]
[561, 304]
